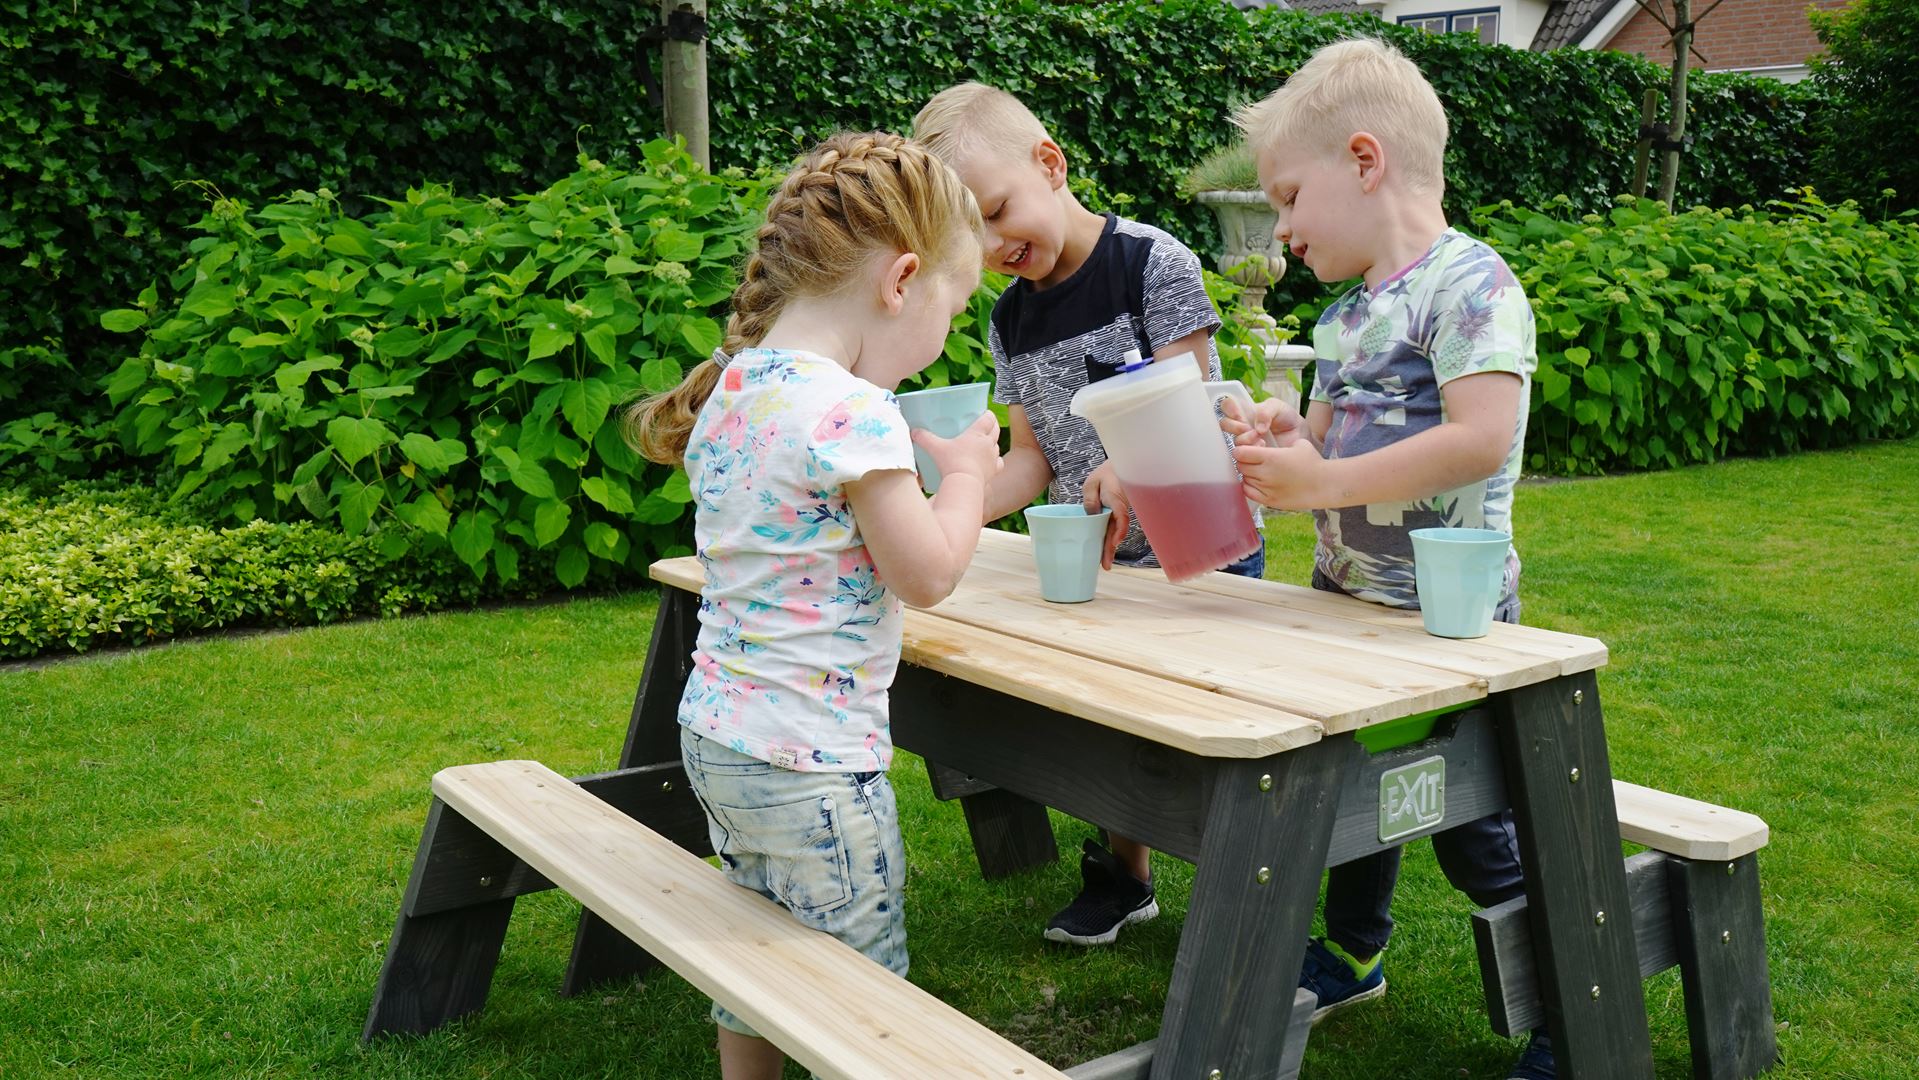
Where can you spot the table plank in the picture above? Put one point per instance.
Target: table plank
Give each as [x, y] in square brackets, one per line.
[1210, 642]
[1168, 712]
[1507, 657]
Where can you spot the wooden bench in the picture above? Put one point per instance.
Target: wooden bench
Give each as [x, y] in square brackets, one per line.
[822, 1002]
[1695, 903]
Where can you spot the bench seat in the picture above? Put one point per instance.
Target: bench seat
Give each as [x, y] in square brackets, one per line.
[1695, 903]
[822, 1002]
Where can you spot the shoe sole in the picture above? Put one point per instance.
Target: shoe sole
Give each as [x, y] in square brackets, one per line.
[1138, 915]
[1325, 1011]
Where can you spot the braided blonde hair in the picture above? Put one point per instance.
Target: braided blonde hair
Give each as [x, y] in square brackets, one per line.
[851, 196]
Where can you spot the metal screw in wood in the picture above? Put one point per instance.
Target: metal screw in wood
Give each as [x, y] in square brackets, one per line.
[1265, 875]
[666, 785]
[1579, 697]
[1595, 991]
[486, 883]
[1266, 782]
[1599, 918]
[1215, 1075]
[1573, 777]
[1725, 937]
[1730, 867]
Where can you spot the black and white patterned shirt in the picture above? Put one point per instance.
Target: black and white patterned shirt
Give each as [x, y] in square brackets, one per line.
[1139, 289]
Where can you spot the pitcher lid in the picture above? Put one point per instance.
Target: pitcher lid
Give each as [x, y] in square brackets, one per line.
[1137, 382]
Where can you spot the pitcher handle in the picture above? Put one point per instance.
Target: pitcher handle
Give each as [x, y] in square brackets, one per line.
[1236, 390]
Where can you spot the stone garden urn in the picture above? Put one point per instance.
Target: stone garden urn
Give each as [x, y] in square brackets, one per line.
[1255, 260]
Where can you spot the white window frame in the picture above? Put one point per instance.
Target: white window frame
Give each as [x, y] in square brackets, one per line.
[1449, 22]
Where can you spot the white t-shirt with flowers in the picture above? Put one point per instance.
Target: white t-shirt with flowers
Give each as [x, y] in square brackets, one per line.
[799, 638]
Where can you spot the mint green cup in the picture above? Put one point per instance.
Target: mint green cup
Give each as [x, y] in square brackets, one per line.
[1066, 548]
[945, 411]
[1461, 575]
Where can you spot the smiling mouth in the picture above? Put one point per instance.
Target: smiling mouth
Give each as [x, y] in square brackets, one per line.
[1019, 258]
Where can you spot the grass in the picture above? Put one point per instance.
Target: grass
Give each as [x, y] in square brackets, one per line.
[203, 845]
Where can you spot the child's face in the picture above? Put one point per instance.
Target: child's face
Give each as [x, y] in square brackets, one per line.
[918, 333]
[1019, 200]
[1319, 199]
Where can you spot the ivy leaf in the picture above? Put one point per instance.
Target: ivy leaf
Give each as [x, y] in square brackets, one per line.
[472, 536]
[357, 507]
[425, 513]
[356, 436]
[572, 565]
[550, 520]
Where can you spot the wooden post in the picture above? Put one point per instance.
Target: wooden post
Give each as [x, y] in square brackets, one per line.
[684, 65]
[1681, 50]
[1642, 155]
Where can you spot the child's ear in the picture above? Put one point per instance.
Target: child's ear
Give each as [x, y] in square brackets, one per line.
[1051, 161]
[898, 277]
[1370, 157]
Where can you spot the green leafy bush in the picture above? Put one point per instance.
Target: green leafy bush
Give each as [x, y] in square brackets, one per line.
[1666, 339]
[91, 563]
[446, 371]
[110, 108]
[1866, 137]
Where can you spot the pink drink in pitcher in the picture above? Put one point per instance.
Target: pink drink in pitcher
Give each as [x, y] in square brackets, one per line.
[1197, 527]
[1156, 424]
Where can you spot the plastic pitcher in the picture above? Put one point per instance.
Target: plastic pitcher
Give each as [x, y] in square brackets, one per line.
[1156, 422]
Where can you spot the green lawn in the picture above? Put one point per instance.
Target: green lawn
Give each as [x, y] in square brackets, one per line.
[203, 845]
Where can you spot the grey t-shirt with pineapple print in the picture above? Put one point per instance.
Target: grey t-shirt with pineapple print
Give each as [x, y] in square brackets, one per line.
[1383, 354]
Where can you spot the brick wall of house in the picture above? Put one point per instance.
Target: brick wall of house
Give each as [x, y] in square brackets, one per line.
[1738, 33]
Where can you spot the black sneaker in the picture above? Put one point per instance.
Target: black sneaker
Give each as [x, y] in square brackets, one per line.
[1109, 898]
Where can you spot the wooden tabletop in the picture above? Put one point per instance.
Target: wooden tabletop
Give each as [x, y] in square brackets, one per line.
[1221, 666]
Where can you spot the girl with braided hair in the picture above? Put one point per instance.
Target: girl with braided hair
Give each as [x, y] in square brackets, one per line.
[812, 530]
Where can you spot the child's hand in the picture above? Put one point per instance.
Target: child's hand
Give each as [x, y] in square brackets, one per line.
[1274, 423]
[1291, 477]
[973, 452]
[1103, 490]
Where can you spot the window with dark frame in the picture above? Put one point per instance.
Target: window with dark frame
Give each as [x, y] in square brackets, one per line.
[1483, 22]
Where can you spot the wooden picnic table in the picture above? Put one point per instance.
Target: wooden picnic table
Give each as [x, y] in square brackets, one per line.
[1212, 720]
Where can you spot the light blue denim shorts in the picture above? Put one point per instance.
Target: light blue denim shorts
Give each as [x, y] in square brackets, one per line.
[823, 845]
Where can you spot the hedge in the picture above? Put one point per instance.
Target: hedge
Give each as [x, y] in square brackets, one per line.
[92, 563]
[1670, 339]
[124, 122]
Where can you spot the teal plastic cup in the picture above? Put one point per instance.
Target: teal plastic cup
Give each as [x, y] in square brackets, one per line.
[1066, 548]
[1461, 575]
[945, 411]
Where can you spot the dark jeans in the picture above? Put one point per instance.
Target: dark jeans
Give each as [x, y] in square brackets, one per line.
[1480, 858]
[1252, 566]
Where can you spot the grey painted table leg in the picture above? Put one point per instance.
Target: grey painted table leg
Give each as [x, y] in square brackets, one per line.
[1268, 827]
[600, 953]
[1560, 780]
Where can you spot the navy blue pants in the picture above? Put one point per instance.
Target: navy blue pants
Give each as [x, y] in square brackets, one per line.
[1480, 858]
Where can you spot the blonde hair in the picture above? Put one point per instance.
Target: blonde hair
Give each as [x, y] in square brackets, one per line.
[852, 195]
[1356, 85]
[961, 121]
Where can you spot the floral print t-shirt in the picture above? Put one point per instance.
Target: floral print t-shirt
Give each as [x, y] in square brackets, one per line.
[1383, 354]
[798, 637]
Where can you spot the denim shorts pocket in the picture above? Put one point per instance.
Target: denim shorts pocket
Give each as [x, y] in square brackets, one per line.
[804, 847]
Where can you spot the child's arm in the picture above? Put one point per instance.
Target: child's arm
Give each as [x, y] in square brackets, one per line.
[1023, 472]
[1481, 412]
[921, 548]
